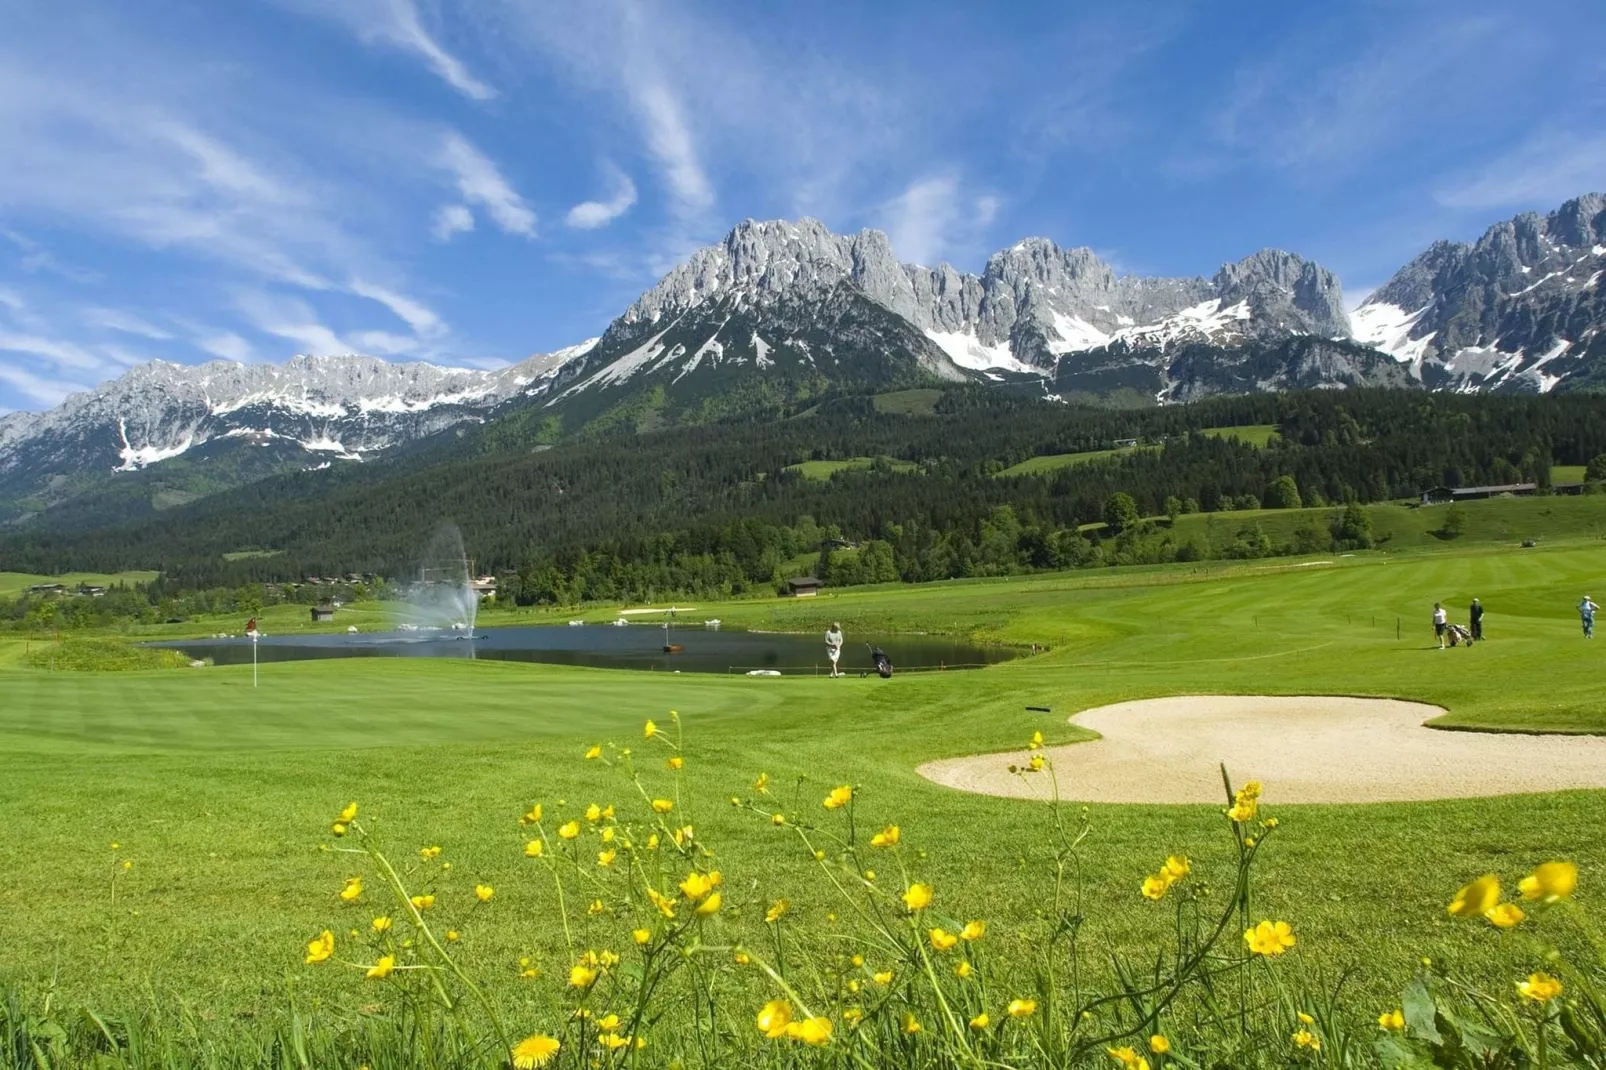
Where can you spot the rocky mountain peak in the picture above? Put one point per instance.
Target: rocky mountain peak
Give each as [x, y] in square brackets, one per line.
[1286, 293]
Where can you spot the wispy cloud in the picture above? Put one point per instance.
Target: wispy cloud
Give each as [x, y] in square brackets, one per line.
[936, 216]
[424, 322]
[1548, 169]
[226, 345]
[481, 184]
[124, 322]
[589, 215]
[398, 24]
[42, 390]
[53, 350]
[451, 220]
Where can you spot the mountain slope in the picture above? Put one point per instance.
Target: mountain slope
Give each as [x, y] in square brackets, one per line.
[252, 420]
[1520, 309]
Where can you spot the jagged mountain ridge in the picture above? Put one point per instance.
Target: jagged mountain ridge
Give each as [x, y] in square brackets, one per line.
[1033, 302]
[306, 412]
[1520, 309]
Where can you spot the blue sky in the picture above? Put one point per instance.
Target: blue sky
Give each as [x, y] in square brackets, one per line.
[473, 181]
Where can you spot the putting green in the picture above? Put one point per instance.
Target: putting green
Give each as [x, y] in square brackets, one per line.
[1330, 749]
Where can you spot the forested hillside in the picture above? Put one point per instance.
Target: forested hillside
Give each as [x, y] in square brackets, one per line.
[724, 508]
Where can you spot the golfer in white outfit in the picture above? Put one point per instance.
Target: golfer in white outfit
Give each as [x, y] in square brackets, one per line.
[833, 646]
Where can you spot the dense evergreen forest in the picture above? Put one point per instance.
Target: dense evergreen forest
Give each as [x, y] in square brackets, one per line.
[717, 509]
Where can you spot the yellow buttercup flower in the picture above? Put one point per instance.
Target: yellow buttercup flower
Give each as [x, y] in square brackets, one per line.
[1270, 938]
[348, 815]
[1477, 898]
[1036, 764]
[595, 908]
[531, 816]
[776, 910]
[608, 834]
[423, 902]
[853, 1015]
[762, 784]
[338, 829]
[974, 930]
[380, 924]
[612, 1041]
[381, 969]
[709, 907]
[1022, 1008]
[427, 853]
[352, 890]
[838, 798]
[773, 1018]
[676, 762]
[942, 939]
[1036, 741]
[909, 1023]
[1245, 802]
[534, 849]
[1159, 1044]
[1128, 1058]
[665, 905]
[662, 806]
[321, 949]
[887, 837]
[980, 1022]
[608, 1023]
[453, 936]
[569, 830]
[1305, 1019]
[607, 812]
[918, 896]
[593, 813]
[696, 885]
[1155, 887]
[642, 936]
[812, 1031]
[593, 753]
[582, 976]
[534, 1052]
[649, 730]
[1504, 915]
[1539, 987]
[1393, 1021]
[963, 969]
[742, 958]
[1176, 867]
[605, 858]
[1550, 882]
[1304, 1038]
[484, 892]
[883, 978]
[682, 836]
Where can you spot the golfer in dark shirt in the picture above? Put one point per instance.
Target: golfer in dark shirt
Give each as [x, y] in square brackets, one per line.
[1475, 615]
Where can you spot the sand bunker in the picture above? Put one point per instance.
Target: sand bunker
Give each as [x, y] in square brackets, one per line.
[1328, 750]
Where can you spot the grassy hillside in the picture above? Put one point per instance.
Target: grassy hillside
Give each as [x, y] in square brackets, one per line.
[14, 583]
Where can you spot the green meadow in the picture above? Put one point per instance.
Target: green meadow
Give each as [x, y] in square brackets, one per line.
[221, 794]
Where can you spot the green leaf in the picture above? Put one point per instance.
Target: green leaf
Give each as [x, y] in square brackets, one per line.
[1420, 1012]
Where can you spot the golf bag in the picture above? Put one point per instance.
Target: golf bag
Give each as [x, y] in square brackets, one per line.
[1459, 636]
[883, 664]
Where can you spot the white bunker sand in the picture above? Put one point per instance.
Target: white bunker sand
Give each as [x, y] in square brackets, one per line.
[1305, 750]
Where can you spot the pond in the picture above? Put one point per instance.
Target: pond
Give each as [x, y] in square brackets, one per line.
[638, 646]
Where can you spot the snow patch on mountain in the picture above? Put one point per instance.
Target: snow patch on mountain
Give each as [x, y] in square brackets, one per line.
[967, 351]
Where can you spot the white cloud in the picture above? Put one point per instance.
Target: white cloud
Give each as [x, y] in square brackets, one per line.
[589, 215]
[127, 323]
[424, 322]
[1550, 168]
[934, 218]
[451, 220]
[670, 141]
[69, 354]
[226, 345]
[291, 319]
[42, 390]
[481, 184]
[12, 300]
[397, 23]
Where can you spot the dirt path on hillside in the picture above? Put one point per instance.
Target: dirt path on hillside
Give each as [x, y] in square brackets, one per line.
[1305, 749]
